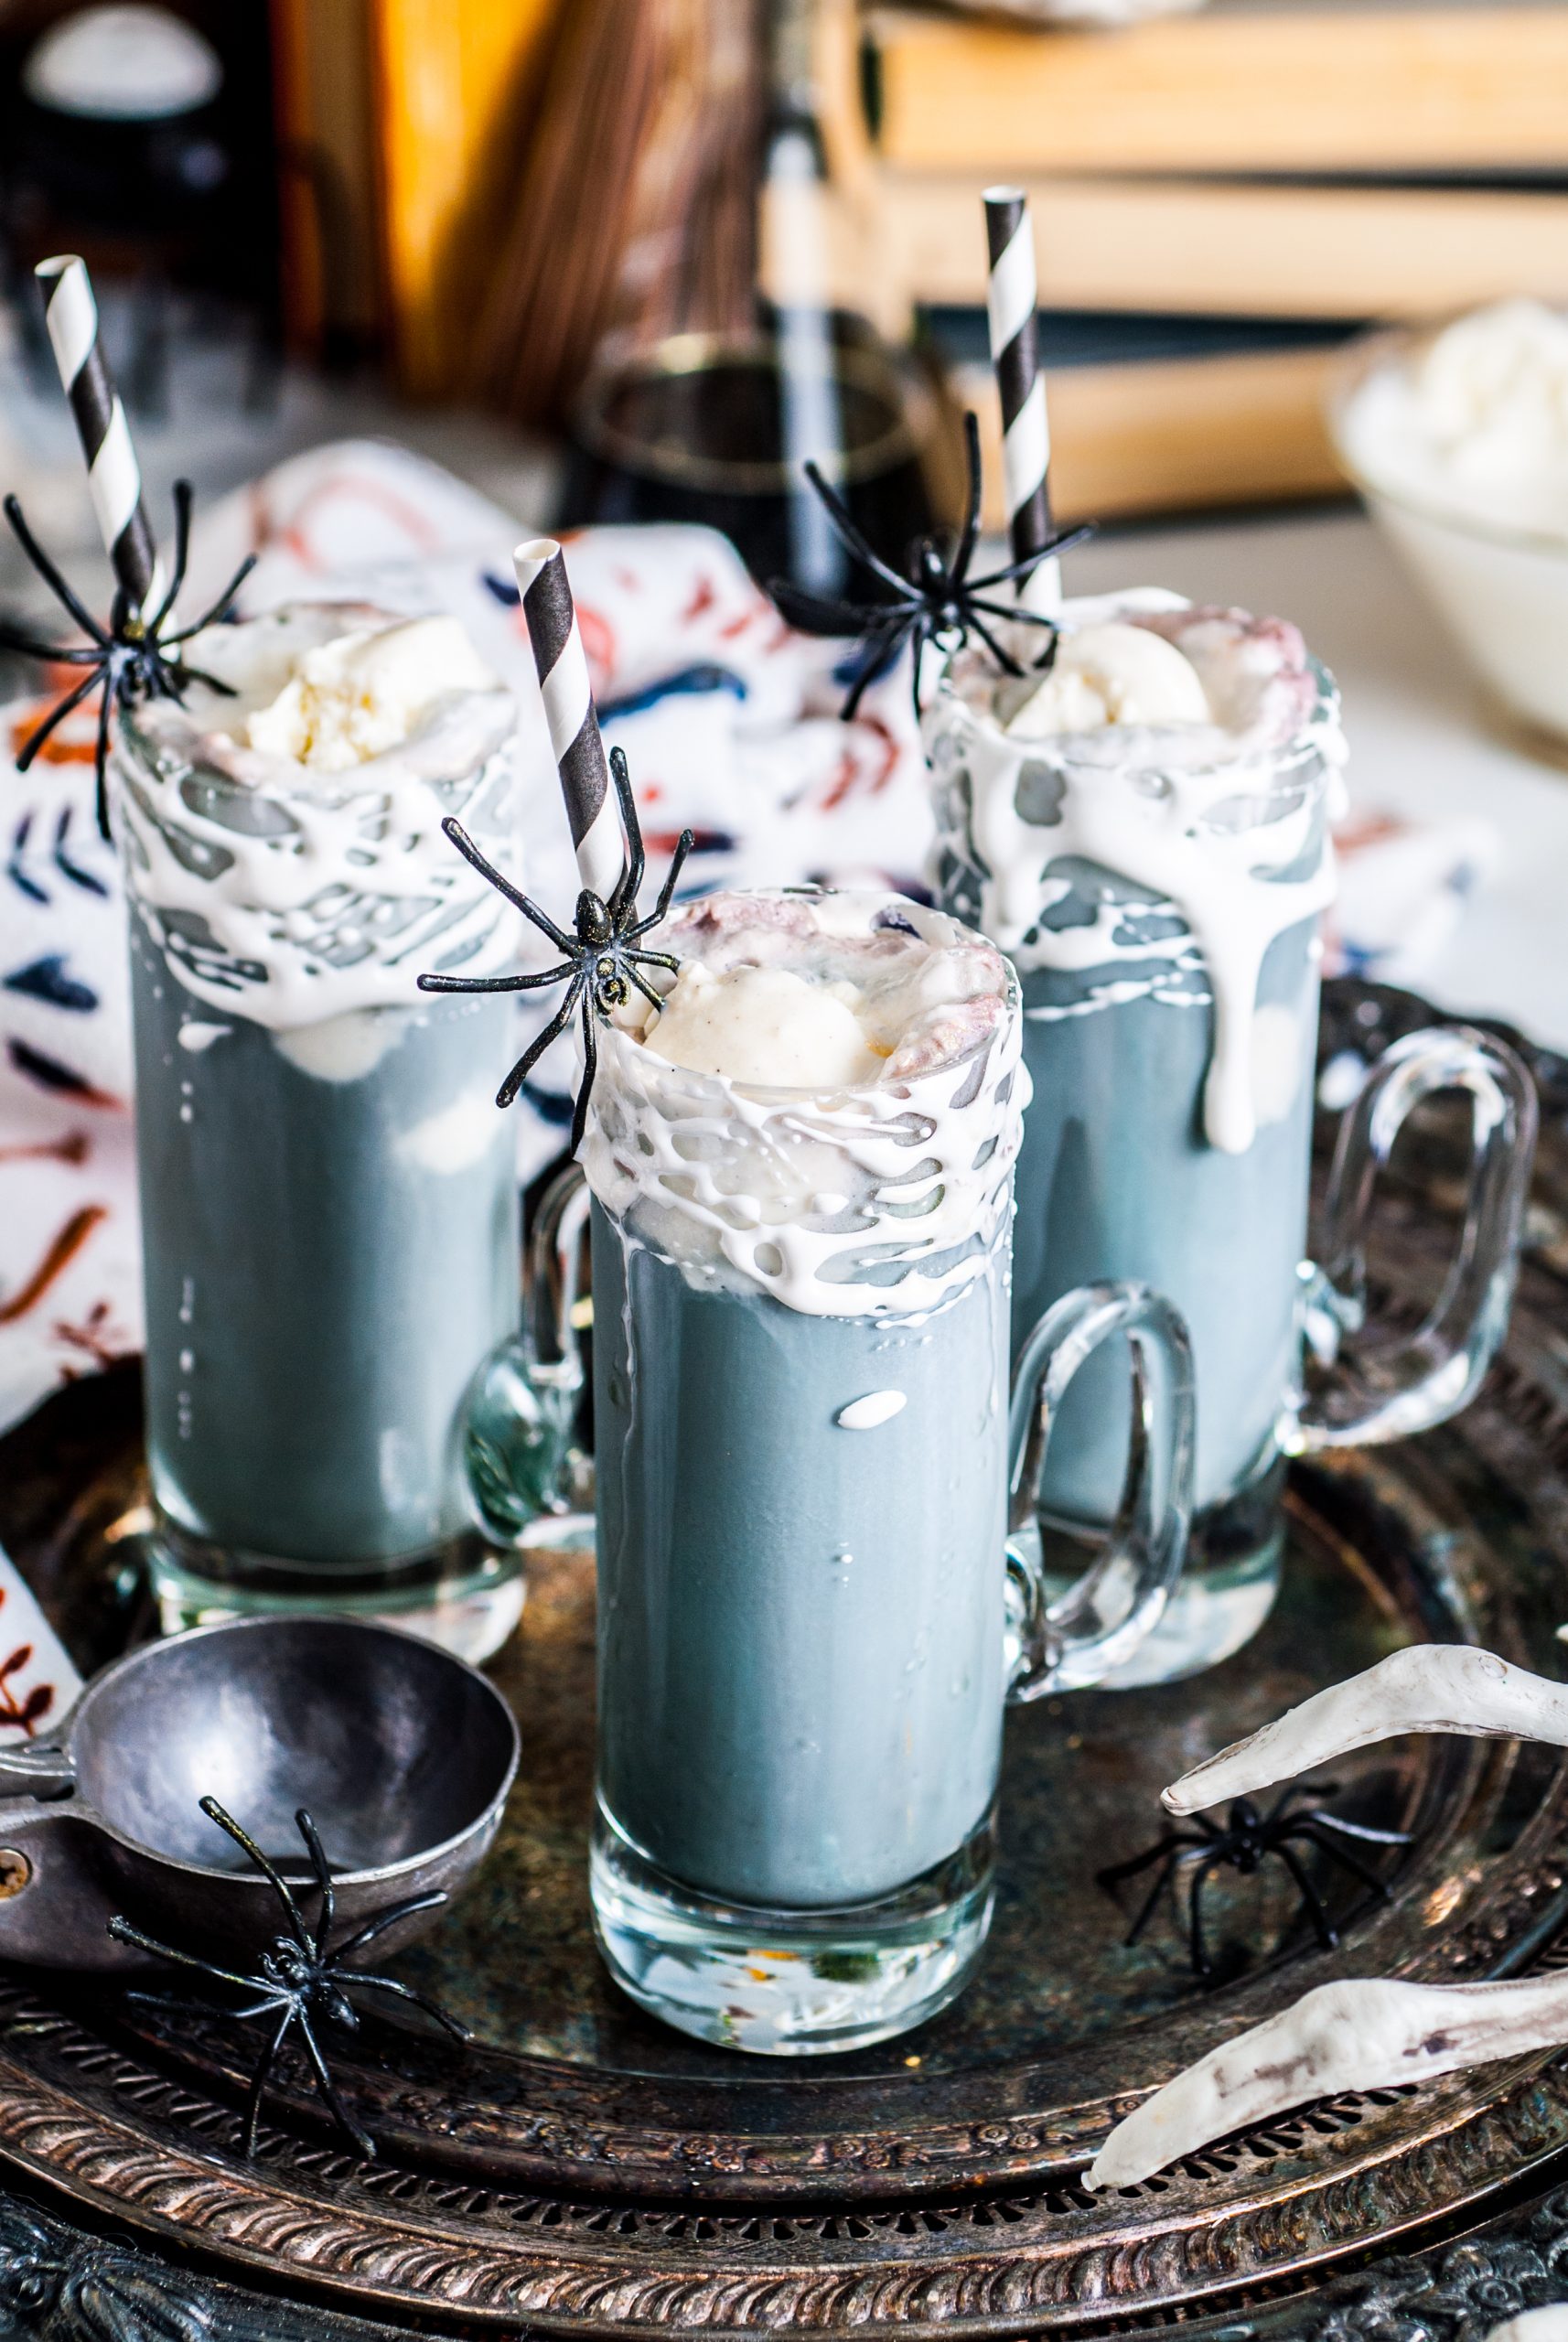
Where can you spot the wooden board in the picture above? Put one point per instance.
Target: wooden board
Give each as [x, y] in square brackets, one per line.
[1308, 89]
[1173, 434]
[1242, 248]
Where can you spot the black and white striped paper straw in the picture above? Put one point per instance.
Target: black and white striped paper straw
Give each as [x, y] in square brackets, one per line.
[1011, 303]
[113, 476]
[579, 751]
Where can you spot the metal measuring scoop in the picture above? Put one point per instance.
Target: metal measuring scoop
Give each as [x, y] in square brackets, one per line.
[402, 1755]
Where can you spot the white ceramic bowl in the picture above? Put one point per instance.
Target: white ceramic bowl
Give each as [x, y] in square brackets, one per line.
[1501, 591]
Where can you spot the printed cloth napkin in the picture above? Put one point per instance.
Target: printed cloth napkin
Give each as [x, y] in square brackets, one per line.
[38, 1683]
[729, 722]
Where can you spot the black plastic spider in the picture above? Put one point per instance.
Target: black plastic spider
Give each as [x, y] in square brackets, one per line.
[1245, 1842]
[602, 958]
[935, 602]
[298, 1978]
[129, 662]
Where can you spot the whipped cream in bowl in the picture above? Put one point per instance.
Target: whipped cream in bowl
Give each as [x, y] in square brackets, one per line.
[1458, 439]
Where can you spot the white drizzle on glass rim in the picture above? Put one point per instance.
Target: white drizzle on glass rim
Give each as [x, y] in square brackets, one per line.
[728, 1180]
[1203, 817]
[290, 896]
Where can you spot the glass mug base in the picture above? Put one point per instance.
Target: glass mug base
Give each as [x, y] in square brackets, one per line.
[789, 1983]
[560, 1532]
[1227, 1588]
[462, 1593]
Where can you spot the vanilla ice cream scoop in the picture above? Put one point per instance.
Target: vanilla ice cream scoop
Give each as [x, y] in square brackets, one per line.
[1111, 674]
[763, 1024]
[366, 692]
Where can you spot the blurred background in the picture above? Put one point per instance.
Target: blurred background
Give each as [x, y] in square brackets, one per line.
[636, 259]
[583, 216]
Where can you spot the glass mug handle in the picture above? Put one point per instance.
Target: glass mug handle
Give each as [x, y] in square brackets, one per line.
[1383, 1391]
[1081, 1635]
[551, 1271]
[526, 1474]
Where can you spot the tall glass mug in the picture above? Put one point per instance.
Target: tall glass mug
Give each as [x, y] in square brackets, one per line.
[802, 1188]
[1144, 832]
[328, 1196]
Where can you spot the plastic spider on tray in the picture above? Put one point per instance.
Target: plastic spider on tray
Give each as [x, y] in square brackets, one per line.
[299, 1980]
[602, 958]
[1244, 1843]
[129, 662]
[937, 602]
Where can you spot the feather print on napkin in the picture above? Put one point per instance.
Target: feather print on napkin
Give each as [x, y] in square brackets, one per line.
[38, 1683]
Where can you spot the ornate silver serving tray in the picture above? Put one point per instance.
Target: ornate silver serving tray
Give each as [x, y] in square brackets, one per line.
[585, 2168]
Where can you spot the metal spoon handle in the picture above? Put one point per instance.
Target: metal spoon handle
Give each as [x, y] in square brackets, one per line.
[53, 1907]
[36, 1769]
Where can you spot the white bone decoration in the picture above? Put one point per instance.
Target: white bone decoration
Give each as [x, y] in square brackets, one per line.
[1357, 2033]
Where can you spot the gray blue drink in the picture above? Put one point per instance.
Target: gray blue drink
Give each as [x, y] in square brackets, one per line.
[801, 1393]
[1157, 877]
[324, 1271]
[801, 1651]
[328, 1196]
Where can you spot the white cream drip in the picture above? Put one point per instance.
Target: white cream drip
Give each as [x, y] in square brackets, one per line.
[455, 1137]
[884, 1200]
[1201, 816]
[877, 1407]
[291, 895]
[342, 1048]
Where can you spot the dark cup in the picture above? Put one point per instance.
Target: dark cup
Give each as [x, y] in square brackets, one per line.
[698, 428]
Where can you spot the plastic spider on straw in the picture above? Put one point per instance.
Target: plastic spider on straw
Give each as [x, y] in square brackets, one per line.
[299, 1979]
[129, 662]
[602, 957]
[1244, 1843]
[937, 602]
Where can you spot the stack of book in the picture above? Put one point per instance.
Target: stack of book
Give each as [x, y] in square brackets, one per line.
[1219, 200]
